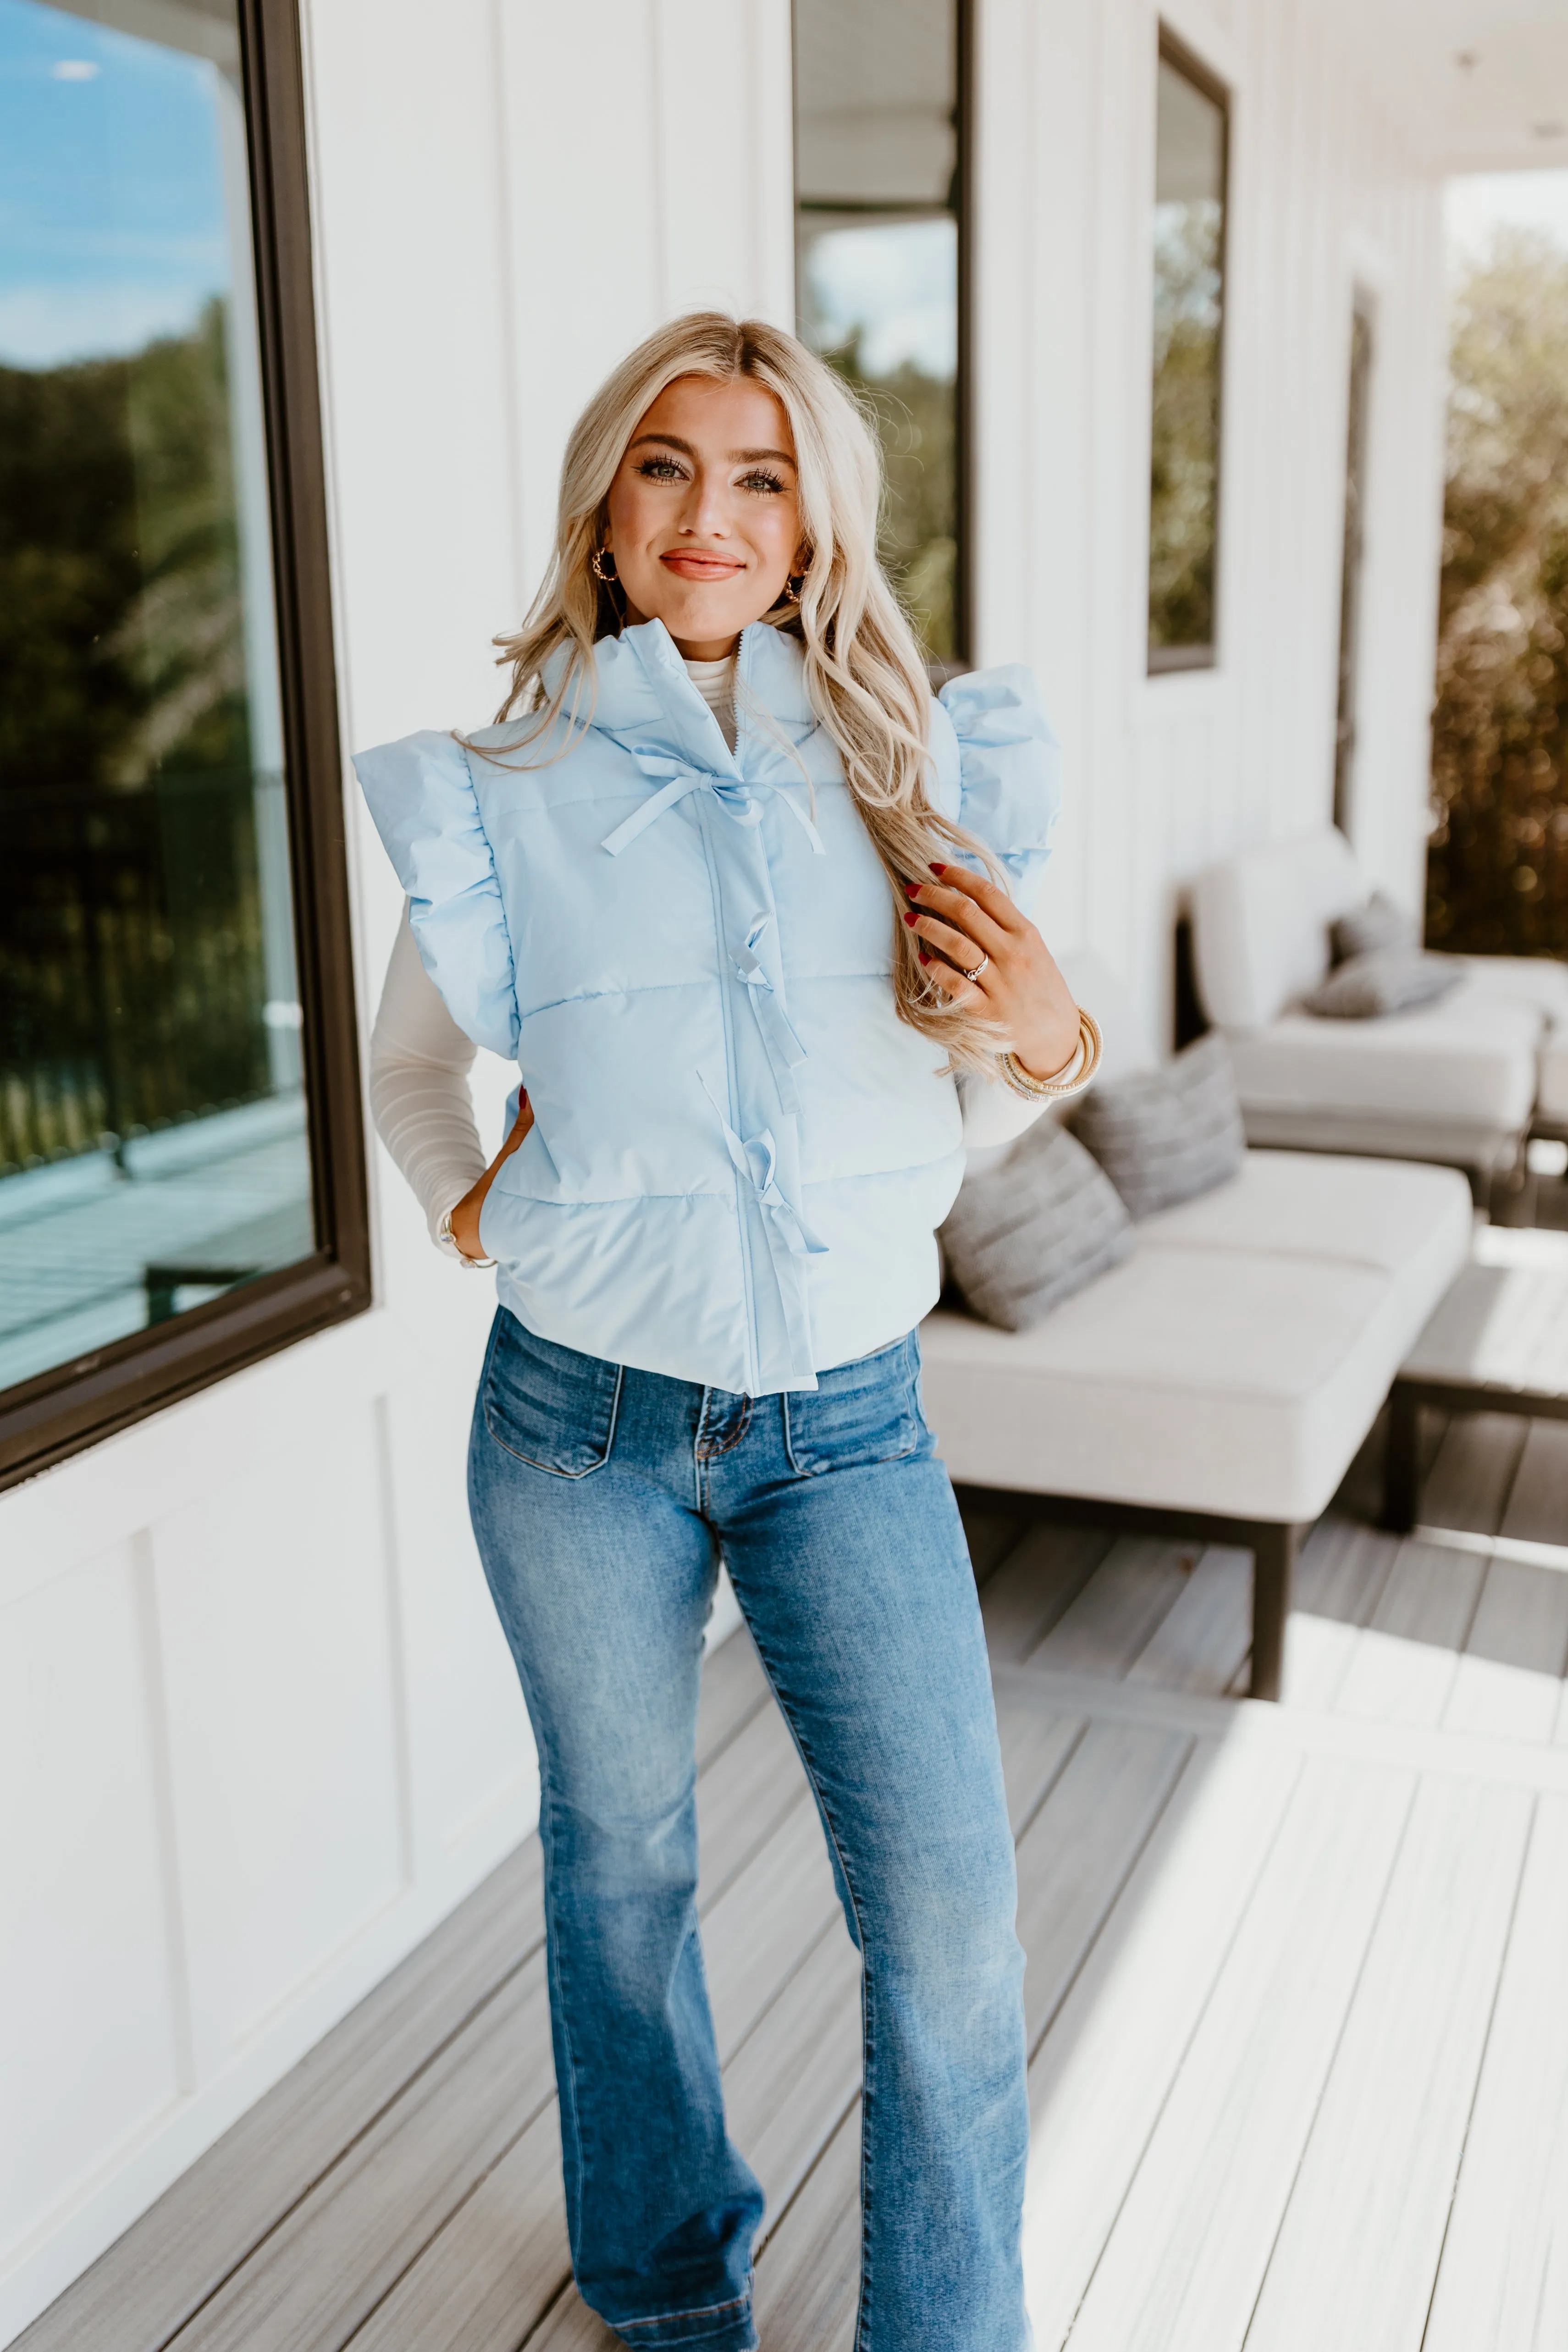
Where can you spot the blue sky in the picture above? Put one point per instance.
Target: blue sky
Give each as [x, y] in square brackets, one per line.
[111, 205]
[1485, 201]
[897, 280]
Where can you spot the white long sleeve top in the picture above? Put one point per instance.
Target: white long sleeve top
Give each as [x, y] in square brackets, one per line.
[420, 1059]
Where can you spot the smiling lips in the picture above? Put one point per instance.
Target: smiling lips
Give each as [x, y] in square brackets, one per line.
[696, 563]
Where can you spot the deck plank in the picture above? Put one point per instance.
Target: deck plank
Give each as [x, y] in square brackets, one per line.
[793, 2080]
[1037, 1740]
[992, 1528]
[569, 2327]
[1502, 2285]
[755, 1781]
[734, 1688]
[756, 1932]
[1101, 2077]
[1340, 1579]
[1204, 1641]
[1185, 2260]
[1405, 1660]
[1467, 1483]
[1120, 1609]
[1358, 2250]
[343, 2248]
[808, 2274]
[1078, 1852]
[1537, 1502]
[1036, 1584]
[494, 2268]
[1509, 1683]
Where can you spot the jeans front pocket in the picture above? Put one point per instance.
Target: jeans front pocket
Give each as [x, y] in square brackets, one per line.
[550, 1406]
[858, 1414]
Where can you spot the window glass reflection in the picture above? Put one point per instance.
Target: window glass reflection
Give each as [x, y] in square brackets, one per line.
[876, 195]
[152, 1143]
[1189, 252]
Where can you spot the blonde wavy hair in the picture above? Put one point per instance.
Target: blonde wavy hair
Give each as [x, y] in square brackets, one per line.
[864, 672]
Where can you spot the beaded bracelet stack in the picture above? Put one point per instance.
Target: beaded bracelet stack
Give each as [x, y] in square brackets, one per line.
[1074, 1073]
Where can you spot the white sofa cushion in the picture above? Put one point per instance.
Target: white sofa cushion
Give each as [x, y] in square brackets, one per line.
[1232, 1366]
[1379, 1214]
[1470, 1058]
[1551, 1080]
[1260, 925]
[1538, 980]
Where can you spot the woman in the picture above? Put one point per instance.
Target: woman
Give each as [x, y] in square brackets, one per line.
[730, 893]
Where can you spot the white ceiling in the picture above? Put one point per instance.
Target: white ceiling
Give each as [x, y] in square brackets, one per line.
[1482, 83]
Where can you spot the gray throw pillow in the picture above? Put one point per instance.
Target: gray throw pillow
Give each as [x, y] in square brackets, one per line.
[1165, 1136]
[1390, 980]
[1366, 929]
[1023, 1237]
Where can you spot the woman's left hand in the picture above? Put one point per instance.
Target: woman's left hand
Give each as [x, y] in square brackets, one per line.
[996, 961]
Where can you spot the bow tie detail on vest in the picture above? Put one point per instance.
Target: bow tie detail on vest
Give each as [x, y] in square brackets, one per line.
[676, 777]
[779, 1042]
[788, 1235]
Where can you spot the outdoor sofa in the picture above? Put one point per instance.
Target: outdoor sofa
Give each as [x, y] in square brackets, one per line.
[1463, 1080]
[1219, 1381]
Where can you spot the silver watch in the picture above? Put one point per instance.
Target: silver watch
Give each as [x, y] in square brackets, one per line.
[446, 1239]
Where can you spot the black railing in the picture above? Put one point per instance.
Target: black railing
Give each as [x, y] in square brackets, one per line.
[133, 979]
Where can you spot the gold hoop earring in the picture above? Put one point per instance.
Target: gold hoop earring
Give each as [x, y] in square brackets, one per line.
[598, 561]
[794, 585]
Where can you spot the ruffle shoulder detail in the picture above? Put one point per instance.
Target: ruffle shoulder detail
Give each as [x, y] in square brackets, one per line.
[998, 767]
[421, 795]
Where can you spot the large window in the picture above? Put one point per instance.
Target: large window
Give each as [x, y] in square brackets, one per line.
[879, 158]
[1189, 310]
[175, 1193]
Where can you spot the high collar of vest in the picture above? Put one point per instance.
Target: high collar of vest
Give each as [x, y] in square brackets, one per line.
[644, 692]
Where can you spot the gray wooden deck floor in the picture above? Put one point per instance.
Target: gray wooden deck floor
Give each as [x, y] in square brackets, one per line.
[1295, 1991]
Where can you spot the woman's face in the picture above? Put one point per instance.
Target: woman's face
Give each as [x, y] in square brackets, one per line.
[703, 520]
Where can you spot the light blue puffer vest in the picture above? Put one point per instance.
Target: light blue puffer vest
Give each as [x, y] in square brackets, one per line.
[740, 1154]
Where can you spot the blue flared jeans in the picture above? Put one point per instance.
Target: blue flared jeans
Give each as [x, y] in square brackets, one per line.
[602, 1500]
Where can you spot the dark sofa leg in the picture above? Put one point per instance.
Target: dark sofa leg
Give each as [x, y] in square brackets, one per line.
[1273, 1559]
[1400, 1470]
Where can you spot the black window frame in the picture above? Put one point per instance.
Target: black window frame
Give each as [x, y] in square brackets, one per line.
[61, 1412]
[963, 213]
[1167, 661]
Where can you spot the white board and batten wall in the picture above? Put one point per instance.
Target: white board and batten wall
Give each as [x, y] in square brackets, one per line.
[1166, 773]
[257, 1729]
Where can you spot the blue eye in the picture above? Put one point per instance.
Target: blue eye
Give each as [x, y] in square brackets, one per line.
[762, 480]
[659, 469]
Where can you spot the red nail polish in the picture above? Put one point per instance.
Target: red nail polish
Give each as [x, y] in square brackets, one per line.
[913, 889]
[924, 958]
[910, 920]
[939, 870]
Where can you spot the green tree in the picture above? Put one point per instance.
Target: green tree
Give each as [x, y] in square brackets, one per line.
[122, 650]
[132, 977]
[1498, 863]
[1184, 457]
[917, 540]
